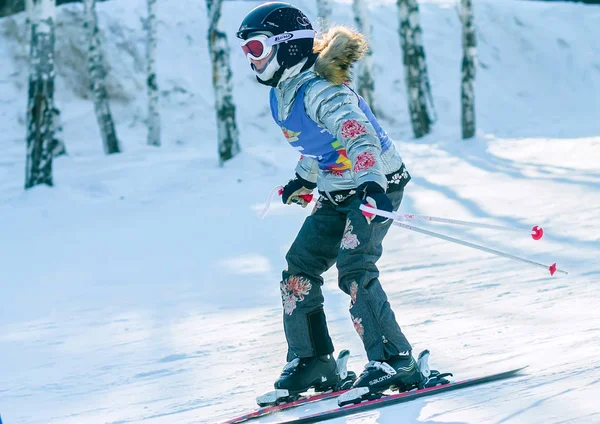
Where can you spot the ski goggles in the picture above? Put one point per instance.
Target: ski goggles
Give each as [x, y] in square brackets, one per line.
[259, 46]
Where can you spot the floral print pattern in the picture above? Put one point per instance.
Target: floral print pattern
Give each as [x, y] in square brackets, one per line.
[318, 205]
[349, 240]
[293, 290]
[358, 326]
[353, 293]
[399, 177]
[342, 197]
[339, 198]
[364, 161]
[396, 179]
[352, 129]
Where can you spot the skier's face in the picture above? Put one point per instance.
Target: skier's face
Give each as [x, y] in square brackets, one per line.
[259, 49]
[260, 65]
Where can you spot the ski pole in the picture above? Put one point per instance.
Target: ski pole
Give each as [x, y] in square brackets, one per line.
[279, 190]
[373, 211]
[536, 232]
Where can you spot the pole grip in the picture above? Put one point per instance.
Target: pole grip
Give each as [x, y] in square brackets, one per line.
[307, 197]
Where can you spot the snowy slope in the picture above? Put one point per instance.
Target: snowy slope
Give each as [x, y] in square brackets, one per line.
[143, 287]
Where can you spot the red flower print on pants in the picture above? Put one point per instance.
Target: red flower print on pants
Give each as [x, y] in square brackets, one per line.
[352, 129]
[349, 240]
[293, 290]
[318, 205]
[364, 161]
[358, 326]
[353, 293]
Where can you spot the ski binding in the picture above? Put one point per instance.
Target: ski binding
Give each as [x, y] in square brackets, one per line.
[281, 396]
[431, 378]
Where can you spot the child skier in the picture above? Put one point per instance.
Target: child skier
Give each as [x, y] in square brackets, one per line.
[352, 161]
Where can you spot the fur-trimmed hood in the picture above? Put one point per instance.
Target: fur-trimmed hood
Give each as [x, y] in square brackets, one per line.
[338, 49]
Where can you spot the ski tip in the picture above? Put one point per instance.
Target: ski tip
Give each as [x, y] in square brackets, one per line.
[518, 370]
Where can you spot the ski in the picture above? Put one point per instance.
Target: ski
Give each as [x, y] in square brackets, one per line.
[261, 412]
[280, 400]
[400, 398]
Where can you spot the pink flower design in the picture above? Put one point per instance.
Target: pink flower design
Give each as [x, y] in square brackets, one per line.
[289, 304]
[293, 290]
[337, 173]
[349, 240]
[353, 293]
[364, 161]
[358, 326]
[318, 205]
[352, 129]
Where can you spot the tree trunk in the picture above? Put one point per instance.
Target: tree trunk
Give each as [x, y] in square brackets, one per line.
[153, 114]
[227, 130]
[324, 11]
[365, 85]
[468, 69]
[415, 67]
[40, 127]
[58, 145]
[10, 7]
[97, 78]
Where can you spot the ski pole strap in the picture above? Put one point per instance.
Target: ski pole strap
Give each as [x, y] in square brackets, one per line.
[274, 190]
[396, 221]
[279, 190]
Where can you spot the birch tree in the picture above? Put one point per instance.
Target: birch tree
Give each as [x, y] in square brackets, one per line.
[58, 147]
[468, 69]
[227, 131]
[324, 11]
[28, 18]
[365, 85]
[153, 114]
[40, 105]
[415, 67]
[97, 79]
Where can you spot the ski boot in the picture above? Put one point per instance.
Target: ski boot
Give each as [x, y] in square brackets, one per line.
[431, 378]
[321, 373]
[400, 373]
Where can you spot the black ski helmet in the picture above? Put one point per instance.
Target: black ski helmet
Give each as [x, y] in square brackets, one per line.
[276, 18]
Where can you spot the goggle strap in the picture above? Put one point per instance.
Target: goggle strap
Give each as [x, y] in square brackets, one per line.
[288, 36]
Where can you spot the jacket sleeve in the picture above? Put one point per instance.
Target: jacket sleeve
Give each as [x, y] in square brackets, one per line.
[308, 168]
[335, 108]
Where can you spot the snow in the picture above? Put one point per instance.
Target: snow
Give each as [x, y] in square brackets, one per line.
[143, 287]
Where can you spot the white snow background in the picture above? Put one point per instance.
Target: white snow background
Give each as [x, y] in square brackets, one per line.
[143, 287]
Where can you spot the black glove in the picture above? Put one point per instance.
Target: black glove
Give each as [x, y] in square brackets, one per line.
[298, 191]
[374, 195]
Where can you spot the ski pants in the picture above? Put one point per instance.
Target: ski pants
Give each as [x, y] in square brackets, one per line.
[339, 233]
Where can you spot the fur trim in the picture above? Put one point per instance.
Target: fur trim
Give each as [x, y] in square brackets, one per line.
[338, 49]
